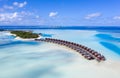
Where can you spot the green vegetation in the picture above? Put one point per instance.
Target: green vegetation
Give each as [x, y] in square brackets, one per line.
[25, 34]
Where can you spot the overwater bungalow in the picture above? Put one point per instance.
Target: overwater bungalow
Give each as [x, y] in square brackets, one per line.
[86, 52]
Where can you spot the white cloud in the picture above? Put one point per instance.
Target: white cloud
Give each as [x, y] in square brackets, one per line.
[18, 17]
[7, 7]
[1, 9]
[15, 5]
[20, 5]
[8, 16]
[116, 17]
[53, 14]
[93, 15]
[15, 14]
[37, 16]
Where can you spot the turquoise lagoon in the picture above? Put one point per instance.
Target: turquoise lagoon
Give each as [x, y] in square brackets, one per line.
[30, 59]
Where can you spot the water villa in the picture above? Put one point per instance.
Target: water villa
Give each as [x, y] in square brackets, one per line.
[86, 52]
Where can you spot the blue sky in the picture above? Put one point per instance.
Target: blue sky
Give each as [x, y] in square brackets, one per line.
[60, 12]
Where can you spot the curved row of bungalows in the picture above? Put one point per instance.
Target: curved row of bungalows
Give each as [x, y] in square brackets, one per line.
[83, 50]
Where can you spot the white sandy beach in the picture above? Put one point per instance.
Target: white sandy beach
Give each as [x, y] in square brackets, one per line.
[18, 38]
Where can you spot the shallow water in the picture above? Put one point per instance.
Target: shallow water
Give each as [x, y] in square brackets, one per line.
[30, 59]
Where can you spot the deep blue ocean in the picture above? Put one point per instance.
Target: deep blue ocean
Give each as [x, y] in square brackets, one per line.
[64, 27]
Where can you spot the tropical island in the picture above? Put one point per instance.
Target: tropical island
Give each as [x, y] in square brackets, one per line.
[25, 34]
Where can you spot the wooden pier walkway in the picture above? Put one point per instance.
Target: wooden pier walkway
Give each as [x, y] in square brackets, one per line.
[86, 52]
